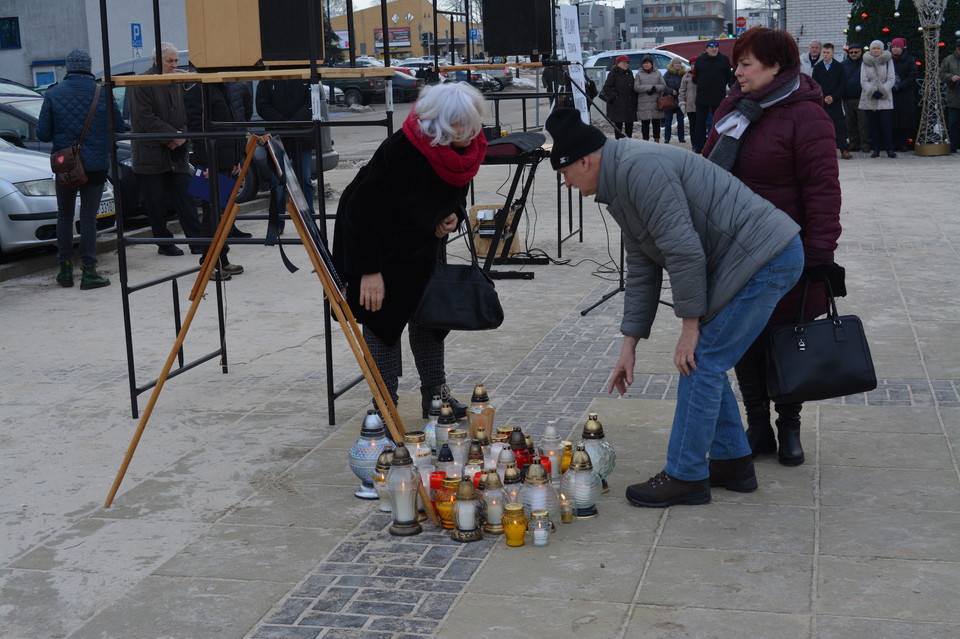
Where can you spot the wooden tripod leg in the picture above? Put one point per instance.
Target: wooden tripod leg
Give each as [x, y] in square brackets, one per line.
[361, 351]
[196, 296]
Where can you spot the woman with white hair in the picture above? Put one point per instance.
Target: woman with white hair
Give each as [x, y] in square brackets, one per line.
[392, 224]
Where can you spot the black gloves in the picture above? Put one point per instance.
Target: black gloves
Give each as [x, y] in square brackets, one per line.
[877, 95]
[651, 90]
[834, 273]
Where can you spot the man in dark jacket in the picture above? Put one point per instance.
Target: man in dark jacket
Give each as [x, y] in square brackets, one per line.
[285, 101]
[831, 77]
[63, 115]
[712, 76]
[162, 166]
[855, 120]
[220, 108]
[730, 255]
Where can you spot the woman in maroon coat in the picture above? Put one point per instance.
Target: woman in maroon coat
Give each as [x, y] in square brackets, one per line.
[771, 132]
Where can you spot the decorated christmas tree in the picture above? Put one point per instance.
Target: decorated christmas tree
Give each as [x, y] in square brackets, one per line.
[885, 20]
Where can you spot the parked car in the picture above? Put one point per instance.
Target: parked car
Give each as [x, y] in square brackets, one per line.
[422, 68]
[692, 48]
[597, 66]
[11, 87]
[357, 91]
[503, 76]
[406, 86]
[19, 115]
[28, 201]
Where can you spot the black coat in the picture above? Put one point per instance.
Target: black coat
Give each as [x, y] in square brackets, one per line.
[833, 82]
[286, 100]
[712, 75]
[852, 70]
[904, 93]
[221, 110]
[385, 224]
[621, 98]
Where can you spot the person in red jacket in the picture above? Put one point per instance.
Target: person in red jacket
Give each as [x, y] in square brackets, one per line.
[771, 132]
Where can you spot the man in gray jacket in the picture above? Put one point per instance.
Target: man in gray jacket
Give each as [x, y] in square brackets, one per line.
[730, 256]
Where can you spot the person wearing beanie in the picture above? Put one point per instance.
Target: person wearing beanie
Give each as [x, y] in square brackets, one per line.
[621, 98]
[729, 255]
[712, 76]
[62, 118]
[649, 85]
[877, 76]
[950, 75]
[855, 119]
[904, 95]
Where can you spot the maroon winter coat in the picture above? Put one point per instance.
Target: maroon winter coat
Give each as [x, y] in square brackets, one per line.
[789, 158]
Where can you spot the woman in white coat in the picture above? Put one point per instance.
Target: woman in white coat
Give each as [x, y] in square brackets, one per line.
[877, 76]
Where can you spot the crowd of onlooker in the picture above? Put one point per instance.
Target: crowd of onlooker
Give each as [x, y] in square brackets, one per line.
[871, 95]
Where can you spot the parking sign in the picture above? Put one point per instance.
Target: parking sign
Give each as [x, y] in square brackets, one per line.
[136, 35]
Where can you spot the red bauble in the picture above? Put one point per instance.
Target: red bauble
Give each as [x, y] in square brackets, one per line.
[864, 16]
[885, 30]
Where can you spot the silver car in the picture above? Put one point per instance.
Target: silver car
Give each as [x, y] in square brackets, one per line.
[28, 201]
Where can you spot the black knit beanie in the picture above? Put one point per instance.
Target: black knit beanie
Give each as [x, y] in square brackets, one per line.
[572, 139]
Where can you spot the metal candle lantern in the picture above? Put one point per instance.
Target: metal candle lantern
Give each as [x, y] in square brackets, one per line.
[537, 493]
[403, 484]
[433, 417]
[365, 451]
[581, 485]
[505, 459]
[416, 443]
[474, 460]
[552, 447]
[380, 479]
[512, 484]
[480, 413]
[518, 444]
[493, 498]
[459, 446]
[445, 422]
[466, 514]
[602, 455]
[446, 462]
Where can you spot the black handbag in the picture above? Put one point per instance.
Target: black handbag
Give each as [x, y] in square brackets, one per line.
[459, 297]
[820, 359]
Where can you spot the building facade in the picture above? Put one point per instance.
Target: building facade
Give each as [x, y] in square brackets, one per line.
[822, 20]
[650, 22]
[47, 31]
[599, 30]
[410, 31]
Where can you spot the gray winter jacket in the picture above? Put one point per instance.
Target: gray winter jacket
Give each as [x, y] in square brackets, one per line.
[680, 212]
[877, 74]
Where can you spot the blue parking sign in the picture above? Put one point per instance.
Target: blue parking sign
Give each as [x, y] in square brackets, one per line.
[136, 35]
[474, 34]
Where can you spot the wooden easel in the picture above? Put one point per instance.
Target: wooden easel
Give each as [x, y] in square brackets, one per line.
[317, 252]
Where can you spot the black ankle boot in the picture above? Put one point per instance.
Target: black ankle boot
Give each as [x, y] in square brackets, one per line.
[734, 474]
[426, 397]
[788, 434]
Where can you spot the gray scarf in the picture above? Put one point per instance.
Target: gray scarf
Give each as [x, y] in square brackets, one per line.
[733, 125]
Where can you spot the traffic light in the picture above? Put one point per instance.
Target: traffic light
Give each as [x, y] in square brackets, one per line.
[729, 28]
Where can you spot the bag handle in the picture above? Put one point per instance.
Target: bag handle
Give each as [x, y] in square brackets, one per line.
[828, 293]
[93, 107]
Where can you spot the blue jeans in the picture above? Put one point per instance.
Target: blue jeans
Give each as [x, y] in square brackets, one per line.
[707, 418]
[90, 194]
[668, 124]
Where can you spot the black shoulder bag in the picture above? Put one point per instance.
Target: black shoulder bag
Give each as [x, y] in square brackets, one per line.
[820, 359]
[459, 297]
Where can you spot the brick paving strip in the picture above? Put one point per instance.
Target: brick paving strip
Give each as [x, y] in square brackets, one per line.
[376, 586]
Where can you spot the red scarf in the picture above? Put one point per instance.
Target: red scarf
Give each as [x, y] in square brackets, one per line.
[452, 166]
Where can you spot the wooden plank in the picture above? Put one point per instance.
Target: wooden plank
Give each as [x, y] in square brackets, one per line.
[265, 74]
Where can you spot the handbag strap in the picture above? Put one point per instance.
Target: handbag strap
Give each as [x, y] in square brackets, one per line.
[828, 293]
[93, 108]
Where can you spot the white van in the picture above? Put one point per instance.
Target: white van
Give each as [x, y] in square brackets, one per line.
[597, 66]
